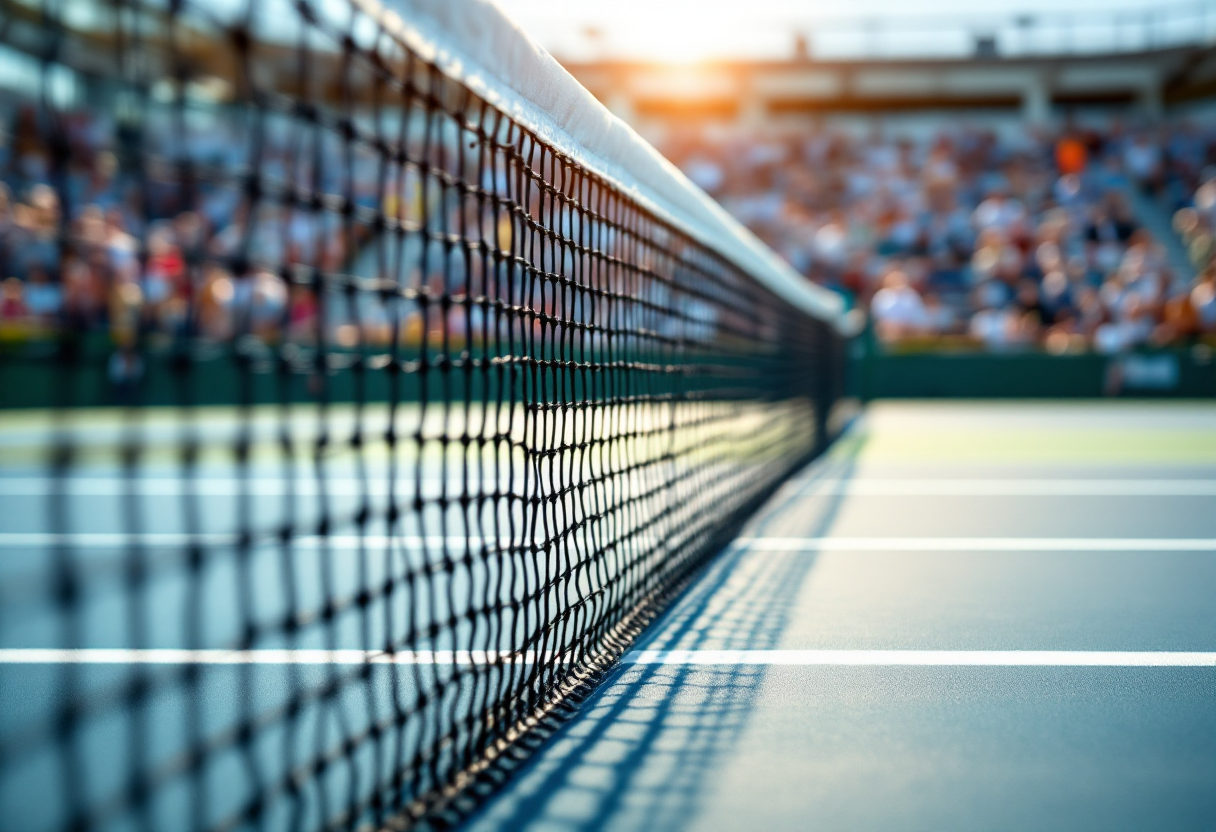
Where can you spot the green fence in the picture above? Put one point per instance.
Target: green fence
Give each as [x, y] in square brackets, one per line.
[35, 376]
[876, 374]
[87, 372]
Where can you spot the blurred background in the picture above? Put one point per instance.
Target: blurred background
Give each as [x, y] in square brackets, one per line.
[996, 185]
[1017, 199]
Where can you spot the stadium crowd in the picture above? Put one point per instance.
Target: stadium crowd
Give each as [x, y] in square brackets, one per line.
[965, 238]
[969, 239]
[131, 253]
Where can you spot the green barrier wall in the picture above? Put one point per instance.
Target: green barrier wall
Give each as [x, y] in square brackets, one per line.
[36, 378]
[45, 376]
[1174, 373]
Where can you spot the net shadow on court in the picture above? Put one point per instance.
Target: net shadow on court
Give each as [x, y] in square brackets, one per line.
[645, 747]
[388, 408]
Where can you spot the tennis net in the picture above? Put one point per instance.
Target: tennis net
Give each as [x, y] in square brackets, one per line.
[387, 387]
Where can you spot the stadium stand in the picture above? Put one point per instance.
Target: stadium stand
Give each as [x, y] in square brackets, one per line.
[968, 237]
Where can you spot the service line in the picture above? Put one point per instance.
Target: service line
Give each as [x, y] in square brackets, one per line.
[827, 658]
[977, 544]
[925, 658]
[873, 487]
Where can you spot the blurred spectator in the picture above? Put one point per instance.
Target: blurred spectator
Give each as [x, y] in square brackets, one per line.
[1023, 241]
[1026, 240]
[43, 299]
[1142, 160]
[1072, 157]
[97, 246]
[898, 309]
[1196, 224]
[12, 300]
[1203, 299]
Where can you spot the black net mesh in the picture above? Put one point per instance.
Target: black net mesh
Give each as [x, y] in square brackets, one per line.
[361, 428]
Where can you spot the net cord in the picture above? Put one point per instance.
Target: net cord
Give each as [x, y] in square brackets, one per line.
[517, 76]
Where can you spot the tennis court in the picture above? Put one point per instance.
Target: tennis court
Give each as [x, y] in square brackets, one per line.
[968, 616]
[961, 607]
[215, 614]
[395, 388]
[404, 443]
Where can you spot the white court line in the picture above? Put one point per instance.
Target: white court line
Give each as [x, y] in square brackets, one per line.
[975, 544]
[866, 487]
[834, 658]
[266, 539]
[924, 658]
[119, 540]
[171, 656]
[273, 485]
[268, 485]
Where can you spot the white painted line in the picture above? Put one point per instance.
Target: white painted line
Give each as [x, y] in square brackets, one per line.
[255, 485]
[975, 544]
[837, 658]
[1011, 488]
[119, 540]
[924, 658]
[171, 656]
[274, 485]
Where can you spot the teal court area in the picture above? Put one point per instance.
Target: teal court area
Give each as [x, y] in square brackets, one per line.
[967, 616]
[964, 616]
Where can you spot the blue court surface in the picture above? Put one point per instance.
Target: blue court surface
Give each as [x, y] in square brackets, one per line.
[966, 616]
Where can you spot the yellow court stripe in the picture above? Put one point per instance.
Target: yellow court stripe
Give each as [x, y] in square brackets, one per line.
[1040, 445]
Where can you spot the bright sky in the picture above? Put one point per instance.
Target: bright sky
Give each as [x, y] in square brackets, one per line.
[686, 30]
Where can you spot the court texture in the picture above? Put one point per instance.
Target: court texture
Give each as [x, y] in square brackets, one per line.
[964, 616]
[967, 616]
